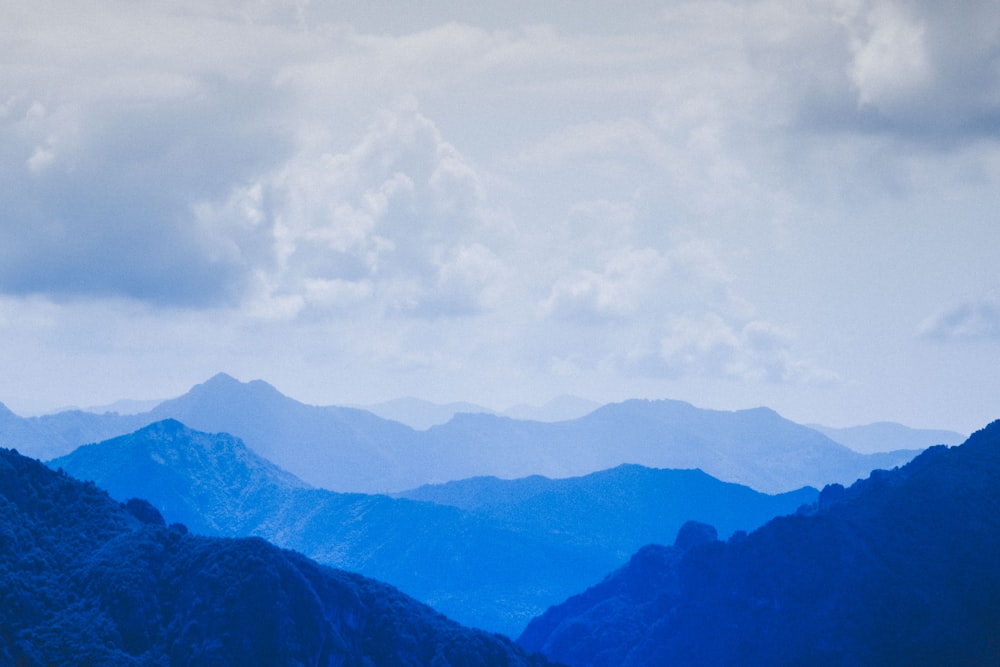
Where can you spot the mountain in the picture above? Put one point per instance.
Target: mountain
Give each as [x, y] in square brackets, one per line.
[420, 414]
[888, 436]
[186, 471]
[492, 563]
[337, 448]
[900, 568]
[352, 450]
[621, 509]
[125, 406]
[85, 580]
[53, 435]
[755, 447]
[560, 408]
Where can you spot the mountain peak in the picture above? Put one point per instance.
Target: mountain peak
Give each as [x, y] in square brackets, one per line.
[221, 379]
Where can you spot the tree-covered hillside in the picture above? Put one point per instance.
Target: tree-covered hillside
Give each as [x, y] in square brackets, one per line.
[85, 580]
[900, 569]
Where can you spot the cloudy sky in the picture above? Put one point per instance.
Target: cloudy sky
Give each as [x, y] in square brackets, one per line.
[790, 203]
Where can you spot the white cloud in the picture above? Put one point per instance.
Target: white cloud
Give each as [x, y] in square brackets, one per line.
[710, 345]
[890, 57]
[398, 221]
[625, 283]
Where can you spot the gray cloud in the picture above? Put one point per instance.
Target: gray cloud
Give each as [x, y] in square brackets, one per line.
[99, 204]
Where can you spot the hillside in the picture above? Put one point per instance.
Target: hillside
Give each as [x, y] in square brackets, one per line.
[900, 568]
[493, 567]
[86, 580]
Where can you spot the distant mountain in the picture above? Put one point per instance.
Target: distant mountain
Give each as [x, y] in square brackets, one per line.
[125, 407]
[53, 435]
[560, 408]
[493, 561]
[352, 450]
[420, 414]
[900, 568]
[621, 509]
[888, 436]
[345, 449]
[756, 447]
[85, 580]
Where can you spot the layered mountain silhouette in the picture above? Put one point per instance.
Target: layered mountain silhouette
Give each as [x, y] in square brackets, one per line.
[85, 580]
[490, 553]
[888, 436]
[900, 568]
[421, 415]
[618, 509]
[352, 450]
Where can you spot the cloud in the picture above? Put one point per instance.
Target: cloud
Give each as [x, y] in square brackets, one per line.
[928, 72]
[710, 345]
[969, 321]
[626, 281]
[398, 223]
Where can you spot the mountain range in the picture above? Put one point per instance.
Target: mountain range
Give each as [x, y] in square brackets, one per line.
[85, 580]
[490, 553]
[888, 436]
[421, 415]
[900, 568]
[352, 450]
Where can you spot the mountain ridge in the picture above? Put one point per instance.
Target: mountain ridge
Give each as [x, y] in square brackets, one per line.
[490, 569]
[352, 450]
[86, 580]
[898, 568]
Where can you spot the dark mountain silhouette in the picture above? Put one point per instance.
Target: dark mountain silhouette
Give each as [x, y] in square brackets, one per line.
[492, 564]
[352, 450]
[85, 580]
[900, 568]
[888, 436]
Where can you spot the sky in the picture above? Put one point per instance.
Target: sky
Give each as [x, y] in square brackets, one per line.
[782, 203]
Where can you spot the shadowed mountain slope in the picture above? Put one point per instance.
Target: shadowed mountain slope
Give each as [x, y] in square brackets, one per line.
[87, 581]
[900, 568]
[494, 564]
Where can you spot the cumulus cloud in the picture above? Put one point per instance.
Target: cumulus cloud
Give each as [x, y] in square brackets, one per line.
[624, 284]
[399, 222]
[969, 321]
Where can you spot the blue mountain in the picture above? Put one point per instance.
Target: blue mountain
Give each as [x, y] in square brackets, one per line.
[887, 436]
[898, 569]
[351, 450]
[494, 563]
[85, 580]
